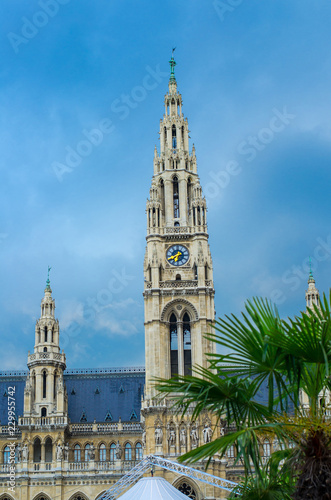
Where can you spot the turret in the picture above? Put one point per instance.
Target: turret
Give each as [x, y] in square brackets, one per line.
[312, 294]
[45, 392]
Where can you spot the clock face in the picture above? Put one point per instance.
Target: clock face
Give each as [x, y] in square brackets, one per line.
[177, 255]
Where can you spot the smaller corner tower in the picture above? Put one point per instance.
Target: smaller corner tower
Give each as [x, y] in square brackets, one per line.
[45, 393]
[312, 294]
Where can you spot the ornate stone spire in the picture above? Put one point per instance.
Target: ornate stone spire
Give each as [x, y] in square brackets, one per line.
[312, 294]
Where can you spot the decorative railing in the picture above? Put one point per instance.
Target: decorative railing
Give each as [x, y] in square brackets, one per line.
[79, 428]
[105, 427]
[179, 284]
[132, 426]
[177, 230]
[43, 421]
[98, 371]
[109, 427]
[51, 356]
[5, 429]
[79, 465]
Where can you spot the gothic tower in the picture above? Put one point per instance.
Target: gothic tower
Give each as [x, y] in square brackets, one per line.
[45, 395]
[179, 293]
[312, 294]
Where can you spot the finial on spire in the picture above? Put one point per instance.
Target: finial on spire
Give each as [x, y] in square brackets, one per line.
[48, 281]
[172, 63]
[311, 277]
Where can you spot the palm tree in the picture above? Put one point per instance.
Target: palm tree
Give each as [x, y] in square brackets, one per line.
[292, 358]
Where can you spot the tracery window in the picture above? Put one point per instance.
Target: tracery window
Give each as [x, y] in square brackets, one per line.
[128, 452]
[87, 452]
[266, 448]
[48, 450]
[37, 450]
[102, 453]
[112, 452]
[187, 345]
[6, 455]
[77, 453]
[173, 345]
[44, 383]
[230, 452]
[139, 451]
[175, 197]
[187, 490]
[174, 138]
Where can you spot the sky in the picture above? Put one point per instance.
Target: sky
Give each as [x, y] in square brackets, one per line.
[82, 85]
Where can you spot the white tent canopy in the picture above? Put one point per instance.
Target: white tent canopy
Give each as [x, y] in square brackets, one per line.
[153, 488]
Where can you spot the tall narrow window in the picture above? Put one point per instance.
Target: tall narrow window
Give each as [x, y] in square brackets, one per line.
[87, 452]
[128, 452]
[174, 137]
[44, 412]
[6, 455]
[189, 195]
[44, 383]
[54, 387]
[162, 195]
[199, 216]
[187, 345]
[48, 450]
[173, 345]
[45, 330]
[102, 453]
[37, 450]
[195, 271]
[139, 451]
[77, 453]
[33, 386]
[165, 135]
[176, 198]
[112, 452]
[266, 448]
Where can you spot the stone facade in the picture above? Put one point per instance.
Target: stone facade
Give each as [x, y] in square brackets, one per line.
[77, 432]
[68, 444]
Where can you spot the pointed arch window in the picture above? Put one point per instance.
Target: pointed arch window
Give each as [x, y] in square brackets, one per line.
[173, 345]
[175, 197]
[266, 448]
[6, 455]
[187, 345]
[139, 451]
[87, 452]
[102, 453]
[112, 452]
[77, 455]
[37, 450]
[48, 450]
[128, 452]
[54, 386]
[44, 383]
[174, 137]
[189, 194]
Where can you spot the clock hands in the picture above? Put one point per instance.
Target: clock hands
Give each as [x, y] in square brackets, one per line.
[175, 257]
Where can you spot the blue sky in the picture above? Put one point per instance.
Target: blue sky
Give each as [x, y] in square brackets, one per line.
[255, 80]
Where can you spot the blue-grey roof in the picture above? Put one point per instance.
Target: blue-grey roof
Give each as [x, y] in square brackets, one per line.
[7, 381]
[100, 395]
